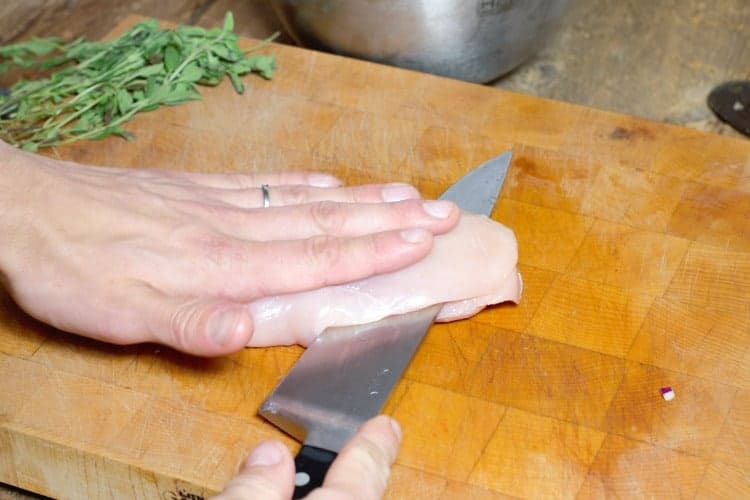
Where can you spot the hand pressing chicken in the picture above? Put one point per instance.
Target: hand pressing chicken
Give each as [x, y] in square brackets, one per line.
[129, 255]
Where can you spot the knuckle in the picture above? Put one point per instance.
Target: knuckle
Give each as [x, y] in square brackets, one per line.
[323, 253]
[328, 216]
[369, 193]
[214, 248]
[180, 323]
[371, 456]
[406, 211]
[218, 250]
[400, 215]
[374, 464]
[293, 195]
[372, 249]
[378, 246]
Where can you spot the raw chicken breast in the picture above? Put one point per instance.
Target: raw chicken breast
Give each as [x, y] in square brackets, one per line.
[470, 267]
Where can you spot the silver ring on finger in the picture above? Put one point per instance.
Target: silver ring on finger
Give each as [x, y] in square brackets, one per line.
[266, 195]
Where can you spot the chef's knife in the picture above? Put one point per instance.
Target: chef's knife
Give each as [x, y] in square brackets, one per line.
[346, 375]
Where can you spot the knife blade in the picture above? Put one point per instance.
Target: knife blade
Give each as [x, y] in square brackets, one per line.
[346, 375]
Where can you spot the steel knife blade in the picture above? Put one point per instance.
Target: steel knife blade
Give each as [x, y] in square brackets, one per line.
[346, 375]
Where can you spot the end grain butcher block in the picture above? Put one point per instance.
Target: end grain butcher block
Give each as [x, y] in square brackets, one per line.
[635, 250]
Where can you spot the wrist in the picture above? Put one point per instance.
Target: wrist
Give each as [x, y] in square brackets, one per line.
[17, 172]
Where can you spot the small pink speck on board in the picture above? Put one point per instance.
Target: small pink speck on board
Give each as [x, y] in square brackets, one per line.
[667, 393]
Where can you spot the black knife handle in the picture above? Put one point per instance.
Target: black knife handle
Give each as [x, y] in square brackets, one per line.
[311, 465]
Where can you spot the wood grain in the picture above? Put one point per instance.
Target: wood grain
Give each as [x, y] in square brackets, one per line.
[635, 250]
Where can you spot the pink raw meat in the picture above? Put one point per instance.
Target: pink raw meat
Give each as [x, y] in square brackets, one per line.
[472, 266]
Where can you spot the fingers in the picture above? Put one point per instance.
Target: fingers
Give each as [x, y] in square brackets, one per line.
[246, 271]
[197, 306]
[286, 195]
[242, 181]
[347, 220]
[267, 474]
[242, 270]
[361, 470]
[363, 467]
[214, 327]
[329, 218]
[282, 196]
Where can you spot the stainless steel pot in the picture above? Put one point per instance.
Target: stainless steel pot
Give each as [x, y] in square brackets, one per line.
[475, 40]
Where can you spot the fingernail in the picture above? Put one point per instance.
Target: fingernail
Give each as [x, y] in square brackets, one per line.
[265, 454]
[439, 209]
[396, 428]
[416, 235]
[222, 324]
[399, 192]
[323, 180]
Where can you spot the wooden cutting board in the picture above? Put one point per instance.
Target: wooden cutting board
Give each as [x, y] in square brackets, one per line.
[635, 250]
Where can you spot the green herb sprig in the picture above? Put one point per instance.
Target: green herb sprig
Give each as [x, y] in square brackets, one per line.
[102, 85]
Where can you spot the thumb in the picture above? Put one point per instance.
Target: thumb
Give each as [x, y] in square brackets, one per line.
[268, 474]
[205, 327]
